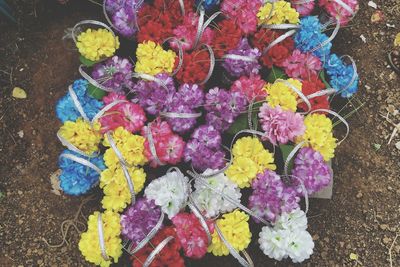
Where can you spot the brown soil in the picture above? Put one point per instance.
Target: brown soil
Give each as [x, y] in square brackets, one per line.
[362, 217]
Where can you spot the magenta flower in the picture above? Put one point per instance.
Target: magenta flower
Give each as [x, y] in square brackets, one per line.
[252, 87]
[280, 126]
[304, 8]
[300, 65]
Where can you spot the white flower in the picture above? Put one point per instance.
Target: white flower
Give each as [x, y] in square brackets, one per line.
[274, 243]
[300, 245]
[211, 203]
[295, 220]
[170, 192]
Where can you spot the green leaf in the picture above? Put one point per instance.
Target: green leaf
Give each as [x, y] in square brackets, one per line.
[275, 74]
[86, 62]
[323, 79]
[95, 92]
[286, 149]
[241, 122]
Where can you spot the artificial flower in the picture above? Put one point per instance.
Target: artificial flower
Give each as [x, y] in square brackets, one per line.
[152, 59]
[281, 13]
[97, 44]
[281, 93]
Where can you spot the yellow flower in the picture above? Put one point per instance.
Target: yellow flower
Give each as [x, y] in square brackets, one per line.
[282, 12]
[97, 44]
[319, 135]
[89, 244]
[82, 135]
[153, 59]
[115, 187]
[279, 93]
[235, 228]
[242, 171]
[130, 145]
[247, 146]
[264, 160]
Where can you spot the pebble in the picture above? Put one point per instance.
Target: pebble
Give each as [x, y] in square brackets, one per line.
[359, 195]
[384, 226]
[386, 240]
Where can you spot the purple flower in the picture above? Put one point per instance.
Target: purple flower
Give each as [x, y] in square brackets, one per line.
[280, 125]
[180, 125]
[115, 73]
[125, 22]
[312, 170]
[139, 219]
[154, 97]
[191, 95]
[208, 136]
[223, 107]
[113, 6]
[237, 67]
[271, 197]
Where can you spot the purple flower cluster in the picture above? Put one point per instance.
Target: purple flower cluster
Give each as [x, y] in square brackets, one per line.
[139, 219]
[124, 15]
[271, 197]
[204, 149]
[312, 170]
[238, 67]
[188, 98]
[223, 107]
[115, 73]
[153, 96]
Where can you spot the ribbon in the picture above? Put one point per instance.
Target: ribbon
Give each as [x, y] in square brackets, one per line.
[355, 73]
[196, 211]
[283, 26]
[157, 250]
[152, 145]
[124, 166]
[150, 78]
[337, 116]
[327, 41]
[345, 6]
[328, 91]
[107, 108]
[182, 5]
[101, 238]
[201, 25]
[212, 64]
[77, 104]
[300, 2]
[180, 54]
[240, 57]
[278, 40]
[233, 251]
[299, 93]
[176, 115]
[81, 161]
[70, 146]
[93, 81]
[93, 22]
[128, 245]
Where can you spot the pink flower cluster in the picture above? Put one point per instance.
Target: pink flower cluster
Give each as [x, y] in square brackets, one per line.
[280, 125]
[243, 12]
[126, 114]
[191, 234]
[340, 11]
[304, 7]
[168, 146]
[252, 87]
[302, 66]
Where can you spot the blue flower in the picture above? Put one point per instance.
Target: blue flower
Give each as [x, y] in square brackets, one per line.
[208, 4]
[77, 179]
[66, 109]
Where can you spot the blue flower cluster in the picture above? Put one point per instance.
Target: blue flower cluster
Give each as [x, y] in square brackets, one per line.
[66, 110]
[208, 4]
[310, 36]
[77, 179]
[342, 76]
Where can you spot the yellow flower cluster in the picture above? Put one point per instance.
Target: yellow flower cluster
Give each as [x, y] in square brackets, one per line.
[153, 59]
[319, 135]
[249, 158]
[82, 135]
[97, 44]
[282, 12]
[89, 244]
[235, 228]
[130, 145]
[279, 93]
[115, 187]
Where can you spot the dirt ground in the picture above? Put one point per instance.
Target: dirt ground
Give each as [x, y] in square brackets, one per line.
[362, 217]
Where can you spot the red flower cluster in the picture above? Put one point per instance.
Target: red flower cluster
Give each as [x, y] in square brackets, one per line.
[278, 53]
[195, 67]
[310, 86]
[191, 234]
[169, 255]
[169, 146]
[227, 37]
[252, 87]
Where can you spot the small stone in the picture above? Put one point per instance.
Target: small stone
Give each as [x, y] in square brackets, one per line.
[20, 192]
[20, 221]
[359, 195]
[21, 134]
[384, 227]
[341, 244]
[386, 240]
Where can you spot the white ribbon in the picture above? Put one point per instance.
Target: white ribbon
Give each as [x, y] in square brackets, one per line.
[278, 40]
[101, 238]
[157, 250]
[77, 104]
[81, 161]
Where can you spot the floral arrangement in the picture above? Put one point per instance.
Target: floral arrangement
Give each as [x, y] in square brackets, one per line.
[203, 100]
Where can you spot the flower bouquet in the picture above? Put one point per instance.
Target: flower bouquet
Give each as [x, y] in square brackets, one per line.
[212, 114]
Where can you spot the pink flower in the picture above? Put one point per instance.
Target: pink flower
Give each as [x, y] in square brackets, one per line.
[243, 12]
[134, 116]
[338, 11]
[111, 97]
[251, 87]
[280, 126]
[171, 148]
[304, 8]
[300, 65]
[191, 235]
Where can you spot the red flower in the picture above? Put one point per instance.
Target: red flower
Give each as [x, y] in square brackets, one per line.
[195, 67]
[310, 86]
[227, 37]
[169, 256]
[278, 53]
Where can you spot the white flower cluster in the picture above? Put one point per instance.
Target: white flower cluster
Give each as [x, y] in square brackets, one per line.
[288, 238]
[170, 192]
[211, 204]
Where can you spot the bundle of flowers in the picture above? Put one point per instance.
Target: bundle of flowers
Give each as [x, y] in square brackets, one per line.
[207, 99]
